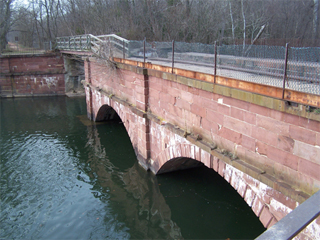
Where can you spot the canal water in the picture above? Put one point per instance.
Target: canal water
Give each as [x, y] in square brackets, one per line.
[64, 178]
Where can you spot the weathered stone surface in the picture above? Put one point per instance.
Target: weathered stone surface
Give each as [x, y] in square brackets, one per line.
[34, 75]
[173, 122]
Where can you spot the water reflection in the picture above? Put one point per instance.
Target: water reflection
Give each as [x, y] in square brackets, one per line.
[134, 194]
[63, 179]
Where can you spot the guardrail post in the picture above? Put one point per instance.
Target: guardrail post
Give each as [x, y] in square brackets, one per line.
[88, 42]
[123, 50]
[215, 61]
[109, 43]
[69, 43]
[80, 43]
[285, 69]
[172, 56]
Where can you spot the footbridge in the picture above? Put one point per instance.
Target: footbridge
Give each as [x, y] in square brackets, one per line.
[254, 121]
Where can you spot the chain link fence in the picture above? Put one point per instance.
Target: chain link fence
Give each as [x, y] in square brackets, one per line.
[280, 66]
[268, 65]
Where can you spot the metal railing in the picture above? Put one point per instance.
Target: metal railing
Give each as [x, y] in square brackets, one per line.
[280, 66]
[293, 223]
[115, 45]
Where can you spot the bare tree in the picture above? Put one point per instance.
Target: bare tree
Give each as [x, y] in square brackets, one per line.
[5, 21]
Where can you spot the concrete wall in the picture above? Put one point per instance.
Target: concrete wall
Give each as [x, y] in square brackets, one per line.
[32, 75]
[269, 156]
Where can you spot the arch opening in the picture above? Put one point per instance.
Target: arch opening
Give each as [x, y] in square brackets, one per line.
[179, 163]
[107, 113]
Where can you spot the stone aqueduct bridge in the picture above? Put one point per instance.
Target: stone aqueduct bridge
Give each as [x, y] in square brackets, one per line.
[266, 148]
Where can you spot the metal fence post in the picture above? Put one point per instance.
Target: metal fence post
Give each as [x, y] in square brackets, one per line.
[88, 43]
[215, 61]
[144, 52]
[172, 56]
[285, 69]
[69, 43]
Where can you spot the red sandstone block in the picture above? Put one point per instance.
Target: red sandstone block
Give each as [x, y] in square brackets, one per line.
[233, 136]
[272, 222]
[154, 93]
[193, 119]
[182, 87]
[183, 104]
[174, 92]
[221, 168]
[260, 110]
[236, 103]
[302, 134]
[137, 88]
[285, 143]
[193, 91]
[289, 118]
[224, 109]
[318, 139]
[206, 94]
[167, 98]
[257, 206]
[261, 148]
[206, 103]
[242, 188]
[237, 113]
[285, 158]
[215, 164]
[307, 151]
[265, 217]
[277, 115]
[272, 125]
[309, 124]
[209, 126]
[155, 86]
[279, 197]
[154, 102]
[141, 105]
[264, 136]
[248, 142]
[309, 168]
[237, 125]
[249, 196]
[186, 96]
[234, 181]
[198, 110]
[215, 117]
[140, 97]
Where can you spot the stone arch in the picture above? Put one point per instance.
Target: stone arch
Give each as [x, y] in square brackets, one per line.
[255, 193]
[107, 113]
[178, 157]
[105, 109]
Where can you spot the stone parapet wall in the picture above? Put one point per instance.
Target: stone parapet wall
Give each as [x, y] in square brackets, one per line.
[32, 75]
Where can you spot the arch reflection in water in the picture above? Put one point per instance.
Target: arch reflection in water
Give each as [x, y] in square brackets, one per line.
[134, 193]
[62, 179]
[196, 203]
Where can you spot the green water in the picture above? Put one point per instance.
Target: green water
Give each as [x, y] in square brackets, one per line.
[64, 178]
